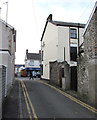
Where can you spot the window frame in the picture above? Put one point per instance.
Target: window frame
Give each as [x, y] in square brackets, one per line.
[73, 35]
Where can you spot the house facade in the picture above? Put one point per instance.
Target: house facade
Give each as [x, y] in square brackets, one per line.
[60, 42]
[87, 61]
[7, 56]
[32, 63]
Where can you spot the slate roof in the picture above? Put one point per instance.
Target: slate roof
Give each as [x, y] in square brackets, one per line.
[19, 65]
[69, 24]
[7, 25]
[59, 23]
[34, 56]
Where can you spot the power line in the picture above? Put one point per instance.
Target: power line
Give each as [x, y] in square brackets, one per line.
[85, 10]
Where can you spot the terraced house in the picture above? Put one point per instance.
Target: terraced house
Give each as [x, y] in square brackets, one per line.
[32, 63]
[7, 58]
[60, 42]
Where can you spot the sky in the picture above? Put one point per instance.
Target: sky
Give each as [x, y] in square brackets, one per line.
[28, 17]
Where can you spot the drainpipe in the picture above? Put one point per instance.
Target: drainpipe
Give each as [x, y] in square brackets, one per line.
[41, 60]
[78, 36]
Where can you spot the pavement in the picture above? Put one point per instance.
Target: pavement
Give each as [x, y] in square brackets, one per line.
[37, 99]
[10, 107]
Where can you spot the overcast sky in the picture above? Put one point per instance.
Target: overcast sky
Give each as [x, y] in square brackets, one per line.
[29, 17]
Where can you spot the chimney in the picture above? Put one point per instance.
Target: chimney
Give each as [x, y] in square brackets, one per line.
[27, 51]
[39, 51]
[49, 18]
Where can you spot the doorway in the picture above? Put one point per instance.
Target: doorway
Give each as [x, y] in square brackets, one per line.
[73, 71]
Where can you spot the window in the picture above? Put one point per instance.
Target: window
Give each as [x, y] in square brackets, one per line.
[31, 63]
[73, 53]
[73, 33]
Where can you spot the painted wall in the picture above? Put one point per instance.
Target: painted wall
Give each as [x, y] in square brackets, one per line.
[7, 58]
[81, 39]
[55, 39]
[32, 63]
[63, 42]
[49, 48]
[0, 92]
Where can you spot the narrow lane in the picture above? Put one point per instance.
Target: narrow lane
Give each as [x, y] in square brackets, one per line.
[48, 103]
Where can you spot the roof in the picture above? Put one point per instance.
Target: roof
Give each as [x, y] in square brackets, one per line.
[7, 25]
[69, 24]
[19, 65]
[59, 23]
[34, 56]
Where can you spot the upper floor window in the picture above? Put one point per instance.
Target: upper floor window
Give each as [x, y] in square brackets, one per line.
[73, 33]
[31, 63]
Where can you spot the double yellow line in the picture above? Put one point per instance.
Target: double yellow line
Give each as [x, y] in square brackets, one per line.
[29, 104]
[72, 98]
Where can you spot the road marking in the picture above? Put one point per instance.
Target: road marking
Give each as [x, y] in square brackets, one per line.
[20, 102]
[30, 103]
[71, 97]
[27, 104]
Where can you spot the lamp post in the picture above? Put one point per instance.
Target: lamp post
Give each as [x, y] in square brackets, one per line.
[6, 11]
[0, 12]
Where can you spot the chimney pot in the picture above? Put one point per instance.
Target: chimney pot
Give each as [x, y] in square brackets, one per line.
[49, 17]
[26, 51]
[39, 51]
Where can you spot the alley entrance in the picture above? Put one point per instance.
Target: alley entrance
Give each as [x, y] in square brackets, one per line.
[73, 72]
[38, 99]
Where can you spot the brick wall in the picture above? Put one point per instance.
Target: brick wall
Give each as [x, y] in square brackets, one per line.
[87, 65]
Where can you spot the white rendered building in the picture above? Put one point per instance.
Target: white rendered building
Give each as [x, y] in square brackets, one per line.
[59, 42]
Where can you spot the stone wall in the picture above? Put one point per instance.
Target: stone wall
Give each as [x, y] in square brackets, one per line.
[60, 73]
[82, 74]
[87, 65]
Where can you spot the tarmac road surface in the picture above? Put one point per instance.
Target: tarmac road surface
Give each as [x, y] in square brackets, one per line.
[36, 99]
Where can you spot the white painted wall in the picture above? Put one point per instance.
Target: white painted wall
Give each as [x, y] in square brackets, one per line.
[7, 38]
[6, 59]
[0, 34]
[32, 63]
[53, 43]
[81, 39]
[50, 48]
[63, 41]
